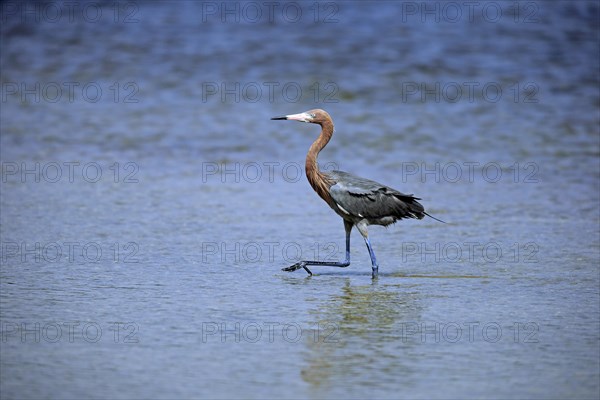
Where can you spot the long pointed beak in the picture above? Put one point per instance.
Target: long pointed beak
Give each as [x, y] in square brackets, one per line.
[302, 117]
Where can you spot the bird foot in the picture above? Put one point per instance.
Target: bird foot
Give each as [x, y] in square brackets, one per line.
[297, 266]
[375, 273]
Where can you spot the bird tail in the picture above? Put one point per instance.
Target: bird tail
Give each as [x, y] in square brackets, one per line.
[431, 216]
[415, 209]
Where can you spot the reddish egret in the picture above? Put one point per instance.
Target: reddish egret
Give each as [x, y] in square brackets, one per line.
[360, 202]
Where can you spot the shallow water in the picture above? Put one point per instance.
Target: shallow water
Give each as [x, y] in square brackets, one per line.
[146, 215]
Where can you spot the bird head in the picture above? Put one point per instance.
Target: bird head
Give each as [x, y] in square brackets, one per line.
[316, 116]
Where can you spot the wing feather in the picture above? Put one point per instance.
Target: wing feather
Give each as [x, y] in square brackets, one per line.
[362, 197]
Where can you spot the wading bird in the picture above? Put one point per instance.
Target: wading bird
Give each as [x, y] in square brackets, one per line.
[360, 202]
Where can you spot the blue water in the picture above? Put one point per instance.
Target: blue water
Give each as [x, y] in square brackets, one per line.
[148, 202]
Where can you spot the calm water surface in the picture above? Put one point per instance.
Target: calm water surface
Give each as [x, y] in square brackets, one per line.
[146, 215]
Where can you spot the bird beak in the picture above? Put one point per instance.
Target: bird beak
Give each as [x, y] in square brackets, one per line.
[302, 117]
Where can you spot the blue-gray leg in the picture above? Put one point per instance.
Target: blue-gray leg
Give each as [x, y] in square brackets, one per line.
[303, 264]
[373, 259]
[362, 228]
[348, 228]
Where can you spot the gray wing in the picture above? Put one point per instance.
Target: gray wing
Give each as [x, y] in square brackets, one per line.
[361, 197]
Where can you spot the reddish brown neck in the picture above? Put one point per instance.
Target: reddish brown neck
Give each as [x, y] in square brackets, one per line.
[319, 181]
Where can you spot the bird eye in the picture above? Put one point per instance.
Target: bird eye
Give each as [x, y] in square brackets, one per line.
[312, 115]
